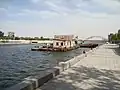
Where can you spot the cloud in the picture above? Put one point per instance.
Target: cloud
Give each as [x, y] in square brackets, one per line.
[78, 24]
[53, 8]
[111, 5]
[64, 17]
[38, 14]
[35, 1]
[3, 13]
[58, 8]
[3, 10]
[92, 6]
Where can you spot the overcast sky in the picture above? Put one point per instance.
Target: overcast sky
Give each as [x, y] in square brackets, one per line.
[49, 17]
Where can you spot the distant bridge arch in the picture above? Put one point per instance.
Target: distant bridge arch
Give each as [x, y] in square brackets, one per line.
[91, 37]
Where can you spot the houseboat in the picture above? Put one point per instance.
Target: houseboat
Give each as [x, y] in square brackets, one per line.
[60, 43]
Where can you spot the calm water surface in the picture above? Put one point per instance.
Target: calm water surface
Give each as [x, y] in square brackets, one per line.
[18, 62]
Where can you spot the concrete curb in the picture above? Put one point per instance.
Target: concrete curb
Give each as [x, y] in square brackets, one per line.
[33, 82]
[65, 65]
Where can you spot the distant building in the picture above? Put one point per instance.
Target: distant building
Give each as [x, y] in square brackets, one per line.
[63, 41]
[11, 34]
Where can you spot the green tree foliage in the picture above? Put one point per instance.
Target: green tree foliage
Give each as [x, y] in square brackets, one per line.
[17, 38]
[36, 38]
[1, 34]
[41, 37]
[118, 36]
[119, 31]
[20, 38]
[114, 37]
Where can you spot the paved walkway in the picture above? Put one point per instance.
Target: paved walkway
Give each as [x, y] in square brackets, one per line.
[98, 71]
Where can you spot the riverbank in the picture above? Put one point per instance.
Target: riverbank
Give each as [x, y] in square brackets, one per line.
[25, 41]
[11, 44]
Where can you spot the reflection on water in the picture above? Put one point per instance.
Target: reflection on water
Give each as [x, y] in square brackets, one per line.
[18, 62]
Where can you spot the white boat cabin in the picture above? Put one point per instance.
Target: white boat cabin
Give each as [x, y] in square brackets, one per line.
[63, 41]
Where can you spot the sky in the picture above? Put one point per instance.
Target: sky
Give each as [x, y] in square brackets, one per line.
[47, 18]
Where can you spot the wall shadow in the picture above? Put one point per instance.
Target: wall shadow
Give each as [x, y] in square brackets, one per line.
[85, 78]
[115, 49]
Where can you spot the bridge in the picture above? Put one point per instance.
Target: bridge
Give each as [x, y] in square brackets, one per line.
[91, 37]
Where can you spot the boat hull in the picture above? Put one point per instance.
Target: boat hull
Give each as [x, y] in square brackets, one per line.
[88, 45]
[54, 49]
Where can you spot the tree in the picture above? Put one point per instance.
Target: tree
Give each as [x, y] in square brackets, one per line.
[119, 31]
[36, 38]
[118, 34]
[41, 37]
[1, 34]
[17, 38]
[114, 37]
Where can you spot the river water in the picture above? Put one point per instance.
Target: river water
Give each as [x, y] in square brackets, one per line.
[18, 62]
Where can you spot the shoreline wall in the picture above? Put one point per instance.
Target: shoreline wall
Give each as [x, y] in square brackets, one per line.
[24, 41]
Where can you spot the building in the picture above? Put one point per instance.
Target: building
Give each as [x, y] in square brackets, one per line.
[63, 41]
[11, 34]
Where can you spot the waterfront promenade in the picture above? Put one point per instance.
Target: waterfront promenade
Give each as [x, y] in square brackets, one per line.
[100, 70]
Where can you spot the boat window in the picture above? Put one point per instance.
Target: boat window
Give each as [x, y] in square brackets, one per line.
[61, 43]
[57, 43]
[67, 43]
[51, 44]
[36, 46]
